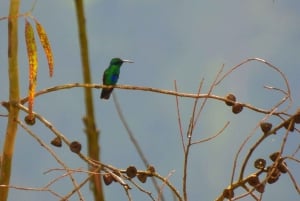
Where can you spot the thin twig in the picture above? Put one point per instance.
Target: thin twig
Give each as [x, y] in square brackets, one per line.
[133, 139]
[212, 137]
[53, 154]
[64, 139]
[296, 151]
[212, 86]
[259, 141]
[179, 117]
[189, 141]
[173, 189]
[32, 189]
[193, 120]
[288, 93]
[140, 88]
[294, 182]
[129, 132]
[77, 188]
[160, 195]
[142, 189]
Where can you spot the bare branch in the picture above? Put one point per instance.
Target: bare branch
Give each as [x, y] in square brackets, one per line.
[53, 154]
[179, 118]
[212, 137]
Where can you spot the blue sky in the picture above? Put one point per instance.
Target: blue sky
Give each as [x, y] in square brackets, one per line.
[168, 40]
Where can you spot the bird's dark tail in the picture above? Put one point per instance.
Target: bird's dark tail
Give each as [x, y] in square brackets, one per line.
[105, 93]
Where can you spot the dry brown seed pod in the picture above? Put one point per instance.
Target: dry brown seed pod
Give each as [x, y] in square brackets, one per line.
[228, 193]
[253, 180]
[272, 180]
[107, 178]
[260, 163]
[30, 119]
[275, 173]
[237, 108]
[297, 116]
[274, 156]
[56, 142]
[274, 176]
[116, 172]
[151, 168]
[231, 98]
[289, 127]
[282, 167]
[260, 188]
[265, 126]
[142, 177]
[131, 171]
[75, 147]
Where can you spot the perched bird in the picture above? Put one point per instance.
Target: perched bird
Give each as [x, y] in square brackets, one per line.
[111, 75]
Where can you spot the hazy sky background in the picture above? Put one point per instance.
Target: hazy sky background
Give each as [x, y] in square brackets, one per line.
[168, 40]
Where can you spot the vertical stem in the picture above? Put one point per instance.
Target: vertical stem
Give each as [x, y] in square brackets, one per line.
[14, 96]
[89, 120]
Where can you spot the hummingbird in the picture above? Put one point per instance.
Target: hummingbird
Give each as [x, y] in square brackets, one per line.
[111, 76]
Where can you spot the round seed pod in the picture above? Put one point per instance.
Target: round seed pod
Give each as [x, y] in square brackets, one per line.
[237, 108]
[253, 180]
[282, 167]
[56, 142]
[274, 176]
[230, 98]
[151, 168]
[274, 156]
[265, 126]
[142, 178]
[260, 188]
[260, 163]
[107, 178]
[30, 120]
[272, 180]
[75, 147]
[131, 171]
[289, 127]
[275, 173]
[297, 116]
[228, 193]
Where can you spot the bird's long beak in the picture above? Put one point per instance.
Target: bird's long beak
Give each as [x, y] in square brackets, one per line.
[127, 61]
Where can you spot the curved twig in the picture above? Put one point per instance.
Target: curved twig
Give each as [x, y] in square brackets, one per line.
[140, 88]
[288, 93]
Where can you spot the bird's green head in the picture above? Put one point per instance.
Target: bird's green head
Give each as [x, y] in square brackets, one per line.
[118, 61]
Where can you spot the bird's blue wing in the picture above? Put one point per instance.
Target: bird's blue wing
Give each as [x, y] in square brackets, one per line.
[114, 78]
